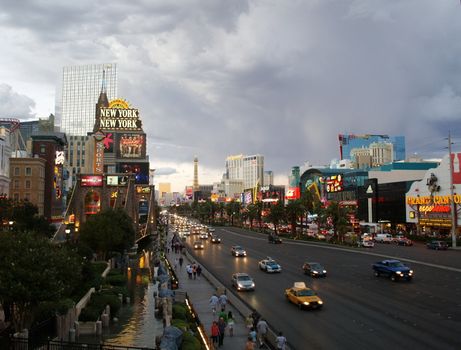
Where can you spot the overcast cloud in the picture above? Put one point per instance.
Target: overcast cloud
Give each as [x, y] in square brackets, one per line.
[280, 78]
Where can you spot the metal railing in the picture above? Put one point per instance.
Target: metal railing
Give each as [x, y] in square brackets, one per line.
[24, 344]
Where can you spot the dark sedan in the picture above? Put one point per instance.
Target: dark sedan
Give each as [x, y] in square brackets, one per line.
[394, 269]
[314, 269]
[437, 245]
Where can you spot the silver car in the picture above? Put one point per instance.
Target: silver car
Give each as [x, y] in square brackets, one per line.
[242, 281]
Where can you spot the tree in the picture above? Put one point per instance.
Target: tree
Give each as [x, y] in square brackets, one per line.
[108, 231]
[33, 271]
[276, 214]
[338, 216]
[252, 213]
[294, 210]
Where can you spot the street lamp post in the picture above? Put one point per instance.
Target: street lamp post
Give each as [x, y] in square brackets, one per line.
[452, 202]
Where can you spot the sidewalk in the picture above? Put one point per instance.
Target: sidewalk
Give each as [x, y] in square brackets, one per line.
[199, 292]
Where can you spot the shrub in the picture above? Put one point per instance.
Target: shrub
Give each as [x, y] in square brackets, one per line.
[89, 314]
[190, 342]
[180, 311]
[116, 280]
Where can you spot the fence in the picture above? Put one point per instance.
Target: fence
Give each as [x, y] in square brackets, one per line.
[24, 344]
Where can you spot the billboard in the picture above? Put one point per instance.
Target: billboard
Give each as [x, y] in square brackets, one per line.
[293, 193]
[112, 180]
[91, 181]
[142, 189]
[140, 171]
[131, 145]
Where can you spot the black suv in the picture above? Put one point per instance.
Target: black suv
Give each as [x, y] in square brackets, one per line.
[274, 239]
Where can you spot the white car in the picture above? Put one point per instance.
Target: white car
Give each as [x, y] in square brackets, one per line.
[203, 235]
[269, 265]
[367, 243]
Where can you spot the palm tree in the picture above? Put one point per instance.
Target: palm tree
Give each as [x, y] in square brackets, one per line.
[276, 214]
[259, 213]
[338, 216]
[294, 210]
[252, 213]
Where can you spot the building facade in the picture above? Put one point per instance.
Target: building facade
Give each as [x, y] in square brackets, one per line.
[5, 154]
[249, 169]
[348, 142]
[81, 86]
[51, 148]
[28, 181]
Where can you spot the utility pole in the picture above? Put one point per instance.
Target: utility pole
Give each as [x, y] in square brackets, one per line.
[452, 202]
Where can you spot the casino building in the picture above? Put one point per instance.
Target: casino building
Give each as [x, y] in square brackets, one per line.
[116, 173]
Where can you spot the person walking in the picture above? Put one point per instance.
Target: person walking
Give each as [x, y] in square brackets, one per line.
[249, 345]
[223, 301]
[223, 314]
[181, 261]
[222, 331]
[194, 270]
[249, 322]
[214, 332]
[199, 271]
[214, 301]
[230, 323]
[253, 335]
[176, 262]
[189, 271]
[262, 328]
[281, 341]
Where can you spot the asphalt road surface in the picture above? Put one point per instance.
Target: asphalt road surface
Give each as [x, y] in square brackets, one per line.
[360, 311]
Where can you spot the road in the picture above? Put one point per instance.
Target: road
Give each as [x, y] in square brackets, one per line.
[360, 311]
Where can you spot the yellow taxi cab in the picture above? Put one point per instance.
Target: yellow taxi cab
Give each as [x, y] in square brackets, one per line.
[303, 296]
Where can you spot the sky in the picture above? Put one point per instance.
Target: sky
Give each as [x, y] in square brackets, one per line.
[278, 78]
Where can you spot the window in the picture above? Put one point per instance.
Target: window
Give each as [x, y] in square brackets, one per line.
[27, 197]
[16, 197]
[42, 149]
[28, 184]
[28, 171]
[16, 171]
[16, 184]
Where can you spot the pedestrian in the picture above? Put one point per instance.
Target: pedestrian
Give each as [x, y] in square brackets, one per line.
[280, 341]
[214, 301]
[181, 261]
[230, 323]
[256, 316]
[249, 345]
[223, 314]
[194, 270]
[189, 271]
[249, 321]
[214, 332]
[222, 331]
[253, 335]
[199, 271]
[262, 328]
[223, 301]
[176, 261]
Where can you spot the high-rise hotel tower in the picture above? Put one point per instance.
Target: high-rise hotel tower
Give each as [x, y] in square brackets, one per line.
[81, 86]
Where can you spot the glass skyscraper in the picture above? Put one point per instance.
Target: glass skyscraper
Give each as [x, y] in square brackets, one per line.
[348, 142]
[81, 86]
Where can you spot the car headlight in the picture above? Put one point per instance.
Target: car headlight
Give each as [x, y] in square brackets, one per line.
[411, 272]
[398, 272]
[324, 271]
[315, 272]
[320, 302]
[306, 303]
[252, 285]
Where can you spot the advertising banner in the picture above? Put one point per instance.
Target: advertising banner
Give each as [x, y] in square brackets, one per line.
[140, 171]
[91, 181]
[293, 193]
[131, 145]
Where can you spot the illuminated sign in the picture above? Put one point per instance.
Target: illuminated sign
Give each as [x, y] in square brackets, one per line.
[59, 160]
[91, 181]
[333, 183]
[112, 180]
[434, 209]
[119, 103]
[142, 189]
[119, 119]
[131, 146]
[293, 193]
[140, 171]
[98, 162]
[429, 200]
[108, 142]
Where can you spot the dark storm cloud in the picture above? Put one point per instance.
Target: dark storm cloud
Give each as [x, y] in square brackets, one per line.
[280, 78]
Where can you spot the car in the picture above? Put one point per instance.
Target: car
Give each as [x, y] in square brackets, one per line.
[303, 297]
[367, 243]
[198, 245]
[215, 239]
[437, 245]
[394, 269]
[269, 265]
[237, 250]
[210, 229]
[314, 269]
[203, 235]
[401, 240]
[242, 281]
[274, 239]
[383, 238]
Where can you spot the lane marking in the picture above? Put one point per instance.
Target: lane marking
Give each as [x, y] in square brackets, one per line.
[323, 246]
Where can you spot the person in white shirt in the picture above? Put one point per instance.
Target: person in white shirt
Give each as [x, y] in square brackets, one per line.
[280, 341]
[214, 301]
